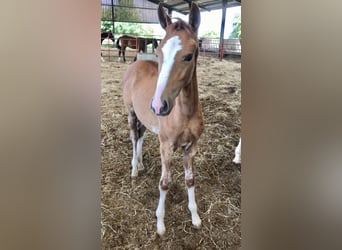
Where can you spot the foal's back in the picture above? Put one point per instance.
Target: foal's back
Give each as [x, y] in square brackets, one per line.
[138, 85]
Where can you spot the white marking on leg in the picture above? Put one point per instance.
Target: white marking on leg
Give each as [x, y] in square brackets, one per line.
[139, 153]
[170, 49]
[160, 212]
[196, 221]
[237, 158]
[134, 161]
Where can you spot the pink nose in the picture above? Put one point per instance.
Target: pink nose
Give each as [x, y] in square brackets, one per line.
[160, 108]
[156, 105]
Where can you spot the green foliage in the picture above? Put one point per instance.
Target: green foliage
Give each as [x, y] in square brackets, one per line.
[124, 13]
[128, 28]
[236, 32]
[106, 26]
[210, 34]
[130, 16]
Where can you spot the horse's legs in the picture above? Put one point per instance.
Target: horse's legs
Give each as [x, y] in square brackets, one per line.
[137, 130]
[188, 156]
[123, 53]
[166, 153]
[237, 158]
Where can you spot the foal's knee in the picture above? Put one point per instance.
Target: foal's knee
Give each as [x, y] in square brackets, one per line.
[164, 184]
[190, 182]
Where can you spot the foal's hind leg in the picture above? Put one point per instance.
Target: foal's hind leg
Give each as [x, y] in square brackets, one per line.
[137, 130]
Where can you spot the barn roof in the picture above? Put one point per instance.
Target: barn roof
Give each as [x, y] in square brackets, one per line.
[182, 6]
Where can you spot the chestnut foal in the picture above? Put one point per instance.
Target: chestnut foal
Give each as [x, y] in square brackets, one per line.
[163, 97]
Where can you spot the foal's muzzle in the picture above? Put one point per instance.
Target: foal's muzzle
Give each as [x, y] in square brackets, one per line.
[164, 110]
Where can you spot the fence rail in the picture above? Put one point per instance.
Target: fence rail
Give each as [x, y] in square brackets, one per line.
[208, 47]
[211, 47]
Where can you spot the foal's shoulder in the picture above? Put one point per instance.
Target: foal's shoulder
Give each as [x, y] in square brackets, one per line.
[145, 63]
[145, 66]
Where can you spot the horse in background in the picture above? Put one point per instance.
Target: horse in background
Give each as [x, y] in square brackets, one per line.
[138, 43]
[106, 35]
[163, 97]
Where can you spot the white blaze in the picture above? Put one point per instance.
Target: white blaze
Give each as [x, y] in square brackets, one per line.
[170, 49]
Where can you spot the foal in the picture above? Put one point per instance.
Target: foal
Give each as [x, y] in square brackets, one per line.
[163, 97]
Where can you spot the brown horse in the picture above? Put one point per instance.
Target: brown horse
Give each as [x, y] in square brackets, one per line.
[163, 97]
[138, 43]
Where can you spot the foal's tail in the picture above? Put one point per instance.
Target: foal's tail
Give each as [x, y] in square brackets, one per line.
[117, 43]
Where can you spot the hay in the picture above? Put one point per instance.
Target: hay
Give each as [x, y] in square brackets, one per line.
[128, 206]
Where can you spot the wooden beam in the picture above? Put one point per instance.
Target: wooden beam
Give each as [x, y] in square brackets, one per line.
[223, 22]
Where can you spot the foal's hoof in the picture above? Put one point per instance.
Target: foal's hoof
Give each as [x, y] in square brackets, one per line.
[196, 221]
[161, 231]
[237, 160]
[141, 167]
[134, 174]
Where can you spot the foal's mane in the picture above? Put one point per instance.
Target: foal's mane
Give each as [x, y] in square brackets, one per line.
[181, 25]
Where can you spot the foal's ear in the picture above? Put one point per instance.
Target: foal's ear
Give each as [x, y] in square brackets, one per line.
[164, 19]
[194, 17]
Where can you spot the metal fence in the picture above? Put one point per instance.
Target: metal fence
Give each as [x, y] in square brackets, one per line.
[209, 47]
[110, 52]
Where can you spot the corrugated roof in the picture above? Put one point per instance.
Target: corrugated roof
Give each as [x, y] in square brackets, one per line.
[182, 6]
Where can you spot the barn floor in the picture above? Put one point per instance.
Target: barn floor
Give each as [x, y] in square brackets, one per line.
[128, 206]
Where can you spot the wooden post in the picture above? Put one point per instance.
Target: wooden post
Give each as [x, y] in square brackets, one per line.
[223, 22]
[113, 30]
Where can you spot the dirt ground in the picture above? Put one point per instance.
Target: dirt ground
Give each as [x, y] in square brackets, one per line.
[128, 206]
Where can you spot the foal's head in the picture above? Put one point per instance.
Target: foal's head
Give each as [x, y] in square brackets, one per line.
[177, 55]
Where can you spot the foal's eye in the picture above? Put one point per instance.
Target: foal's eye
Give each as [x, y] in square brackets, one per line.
[187, 58]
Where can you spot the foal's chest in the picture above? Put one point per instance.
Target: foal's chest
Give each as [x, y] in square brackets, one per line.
[184, 133]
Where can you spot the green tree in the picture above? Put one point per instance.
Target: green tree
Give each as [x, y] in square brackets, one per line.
[236, 32]
[133, 28]
[210, 34]
[128, 28]
[124, 12]
[106, 25]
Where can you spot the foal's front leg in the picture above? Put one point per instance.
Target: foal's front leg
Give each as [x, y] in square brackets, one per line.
[188, 157]
[166, 153]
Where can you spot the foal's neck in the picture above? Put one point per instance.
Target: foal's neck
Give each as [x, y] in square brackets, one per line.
[188, 100]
